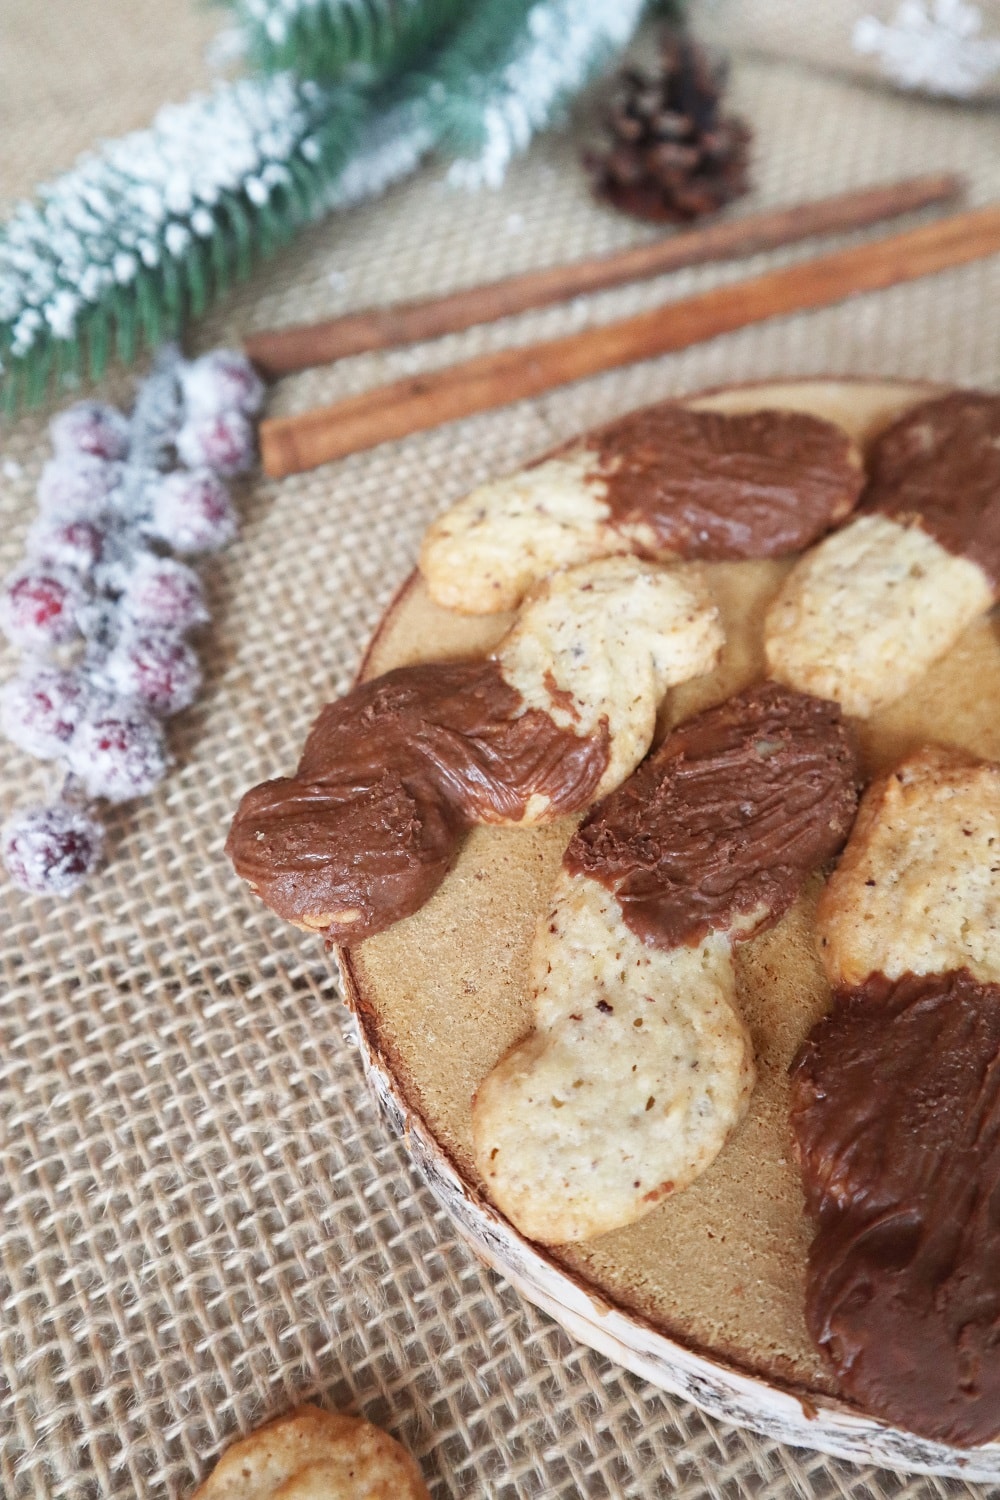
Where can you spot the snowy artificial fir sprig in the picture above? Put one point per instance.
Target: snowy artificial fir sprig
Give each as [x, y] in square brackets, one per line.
[153, 226]
[330, 40]
[500, 77]
[144, 232]
[103, 608]
[561, 45]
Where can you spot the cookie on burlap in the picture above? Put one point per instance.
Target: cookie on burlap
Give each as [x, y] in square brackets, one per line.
[917, 889]
[310, 1454]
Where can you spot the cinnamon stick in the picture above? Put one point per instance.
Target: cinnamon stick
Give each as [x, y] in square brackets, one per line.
[283, 351]
[290, 445]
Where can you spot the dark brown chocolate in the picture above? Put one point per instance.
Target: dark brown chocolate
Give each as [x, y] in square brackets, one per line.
[717, 486]
[939, 467]
[722, 825]
[896, 1113]
[391, 778]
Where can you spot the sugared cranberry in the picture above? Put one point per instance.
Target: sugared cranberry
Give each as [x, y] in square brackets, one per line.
[50, 851]
[78, 487]
[156, 666]
[38, 608]
[40, 709]
[192, 512]
[68, 544]
[221, 381]
[160, 591]
[118, 751]
[223, 442]
[90, 427]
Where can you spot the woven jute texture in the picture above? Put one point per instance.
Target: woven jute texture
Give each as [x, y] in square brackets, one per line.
[204, 1218]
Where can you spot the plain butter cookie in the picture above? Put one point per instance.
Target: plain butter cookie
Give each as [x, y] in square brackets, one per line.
[311, 1454]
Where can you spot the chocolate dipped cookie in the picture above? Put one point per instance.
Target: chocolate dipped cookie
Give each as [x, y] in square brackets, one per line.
[707, 1292]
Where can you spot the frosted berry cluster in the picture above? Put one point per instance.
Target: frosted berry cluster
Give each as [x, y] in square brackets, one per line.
[101, 610]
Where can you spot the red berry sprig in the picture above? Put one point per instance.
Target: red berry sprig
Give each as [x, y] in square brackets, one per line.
[102, 611]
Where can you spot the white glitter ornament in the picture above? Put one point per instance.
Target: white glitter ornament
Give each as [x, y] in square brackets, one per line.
[94, 593]
[79, 545]
[38, 607]
[161, 591]
[157, 667]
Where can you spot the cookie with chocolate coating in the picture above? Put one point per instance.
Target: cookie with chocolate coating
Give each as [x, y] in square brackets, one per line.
[896, 1114]
[667, 481]
[863, 616]
[903, 1285]
[639, 1066]
[393, 775]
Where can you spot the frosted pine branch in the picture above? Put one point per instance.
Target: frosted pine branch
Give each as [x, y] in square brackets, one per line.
[358, 40]
[562, 45]
[498, 80]
[392, 147]
[145, 231]
[153, 224]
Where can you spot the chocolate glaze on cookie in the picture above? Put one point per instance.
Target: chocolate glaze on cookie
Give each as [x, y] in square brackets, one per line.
[939, 467]
[719, 828]
[391, 778]
[715, 486]
[896, 1113]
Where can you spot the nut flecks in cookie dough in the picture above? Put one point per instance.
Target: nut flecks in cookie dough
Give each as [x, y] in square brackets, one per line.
[896, 1113]
[938, 466]
[602, 643]
[310, 1454]
[394, 774]
[485, 553]
[637, 1072]
[863, 616]
[666, 482]
[718, 829]
[717, 486]
[918, 885]
[639, 1066]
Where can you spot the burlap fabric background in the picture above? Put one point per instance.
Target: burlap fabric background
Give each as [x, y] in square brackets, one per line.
[204, 1218]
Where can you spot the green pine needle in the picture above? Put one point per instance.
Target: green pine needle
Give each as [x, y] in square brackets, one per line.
[362, 42]
[101, 266]
[148, 232]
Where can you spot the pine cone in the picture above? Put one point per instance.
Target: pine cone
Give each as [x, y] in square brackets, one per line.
[673, 156]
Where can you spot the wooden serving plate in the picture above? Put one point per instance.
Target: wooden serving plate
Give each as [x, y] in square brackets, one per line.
[704, 1297]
